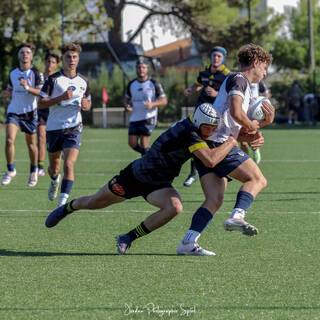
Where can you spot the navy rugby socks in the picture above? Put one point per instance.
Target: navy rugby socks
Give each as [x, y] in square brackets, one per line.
[244, 200]
[138, 232]
[66, 186]
[11, 167]
[199, 223]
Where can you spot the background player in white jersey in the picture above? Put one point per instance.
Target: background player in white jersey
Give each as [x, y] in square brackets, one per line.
[233, 102]
[257, 89]
[51, 65]
[24, 85]
[151, 176]
[144, 96]
[66, 93]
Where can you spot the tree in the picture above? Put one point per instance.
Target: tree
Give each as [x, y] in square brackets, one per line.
[291, 49]
[210, 22]
[39, 21]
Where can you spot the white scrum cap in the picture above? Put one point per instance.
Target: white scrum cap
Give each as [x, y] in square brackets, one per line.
[206, 114]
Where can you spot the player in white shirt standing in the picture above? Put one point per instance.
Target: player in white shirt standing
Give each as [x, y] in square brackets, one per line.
[144, 96]
[23, 88]
[66, 93]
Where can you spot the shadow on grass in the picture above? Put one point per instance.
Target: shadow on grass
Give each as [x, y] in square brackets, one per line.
[10, 253]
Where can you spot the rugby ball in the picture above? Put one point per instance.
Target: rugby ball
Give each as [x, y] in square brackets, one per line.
[255, 111]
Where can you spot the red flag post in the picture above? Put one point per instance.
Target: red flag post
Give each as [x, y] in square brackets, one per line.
[105, 99]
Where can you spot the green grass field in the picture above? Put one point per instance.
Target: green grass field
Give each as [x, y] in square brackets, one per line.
[73, 271]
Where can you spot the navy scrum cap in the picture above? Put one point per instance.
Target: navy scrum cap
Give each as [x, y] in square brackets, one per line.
[219, 49]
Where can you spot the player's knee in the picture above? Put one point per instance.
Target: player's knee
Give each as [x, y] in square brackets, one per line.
[9, 141]
[32, 146]
[176, 207]
[261, 182]
[68, 166]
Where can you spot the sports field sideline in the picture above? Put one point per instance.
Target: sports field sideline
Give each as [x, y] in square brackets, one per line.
[73, 271]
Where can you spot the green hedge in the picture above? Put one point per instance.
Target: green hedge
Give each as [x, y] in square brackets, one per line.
[174, 82]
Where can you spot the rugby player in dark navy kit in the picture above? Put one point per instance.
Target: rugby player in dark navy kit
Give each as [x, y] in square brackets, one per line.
[151, 176]
[209, 82]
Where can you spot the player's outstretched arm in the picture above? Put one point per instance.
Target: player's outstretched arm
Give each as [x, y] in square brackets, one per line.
[211, 157]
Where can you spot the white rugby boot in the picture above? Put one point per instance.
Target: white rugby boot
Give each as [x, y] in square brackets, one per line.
[33, 179]
[53, 188]
[8, 176]
[193, 249]
[190, 180]
[233, 224]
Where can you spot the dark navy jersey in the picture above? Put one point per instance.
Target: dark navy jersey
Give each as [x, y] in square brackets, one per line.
[212, 79]
[163, 162]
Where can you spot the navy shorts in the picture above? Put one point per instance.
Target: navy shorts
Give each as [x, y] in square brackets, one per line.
[27, 122]
[143, 127]
[293, 106]
[43, 116]
[126, 185]
[232, 161]
[62, 139]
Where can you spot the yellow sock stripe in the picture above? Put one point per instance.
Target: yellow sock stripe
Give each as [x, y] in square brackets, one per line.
[69, 207]
[198, 146]
[140, 231]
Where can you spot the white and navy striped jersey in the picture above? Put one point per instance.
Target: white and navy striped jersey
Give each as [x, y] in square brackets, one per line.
[66, 114]
[140, 92]
[21, 100]
[235, 84]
